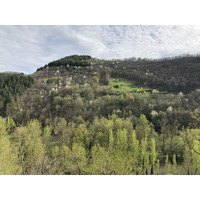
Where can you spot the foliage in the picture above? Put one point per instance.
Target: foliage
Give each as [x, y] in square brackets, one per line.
[82, 115]
[74, 60]
[11, 87]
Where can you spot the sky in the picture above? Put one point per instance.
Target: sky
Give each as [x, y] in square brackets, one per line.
[26, 48]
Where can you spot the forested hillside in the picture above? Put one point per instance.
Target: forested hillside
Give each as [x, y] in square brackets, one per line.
[82, 115]
[68, 61]
[178, 74]
[12, 86]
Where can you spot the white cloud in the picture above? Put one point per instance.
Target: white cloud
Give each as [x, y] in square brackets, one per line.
[26, 48]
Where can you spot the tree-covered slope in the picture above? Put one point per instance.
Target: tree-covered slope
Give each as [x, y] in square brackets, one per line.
[133, 116]
[179, 74]
[74, 60]
[12, 86]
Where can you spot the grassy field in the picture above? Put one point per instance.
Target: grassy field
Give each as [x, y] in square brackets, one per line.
[119, 86]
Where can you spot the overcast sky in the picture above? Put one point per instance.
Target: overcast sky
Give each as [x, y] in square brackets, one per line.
[26, 48]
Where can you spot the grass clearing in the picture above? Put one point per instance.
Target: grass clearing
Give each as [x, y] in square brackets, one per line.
[119, 86]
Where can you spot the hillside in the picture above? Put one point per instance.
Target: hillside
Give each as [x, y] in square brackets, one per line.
[12, 86]
[161, 83]
[82, 110]
[179, 74]
[69, 61]
[7, 73]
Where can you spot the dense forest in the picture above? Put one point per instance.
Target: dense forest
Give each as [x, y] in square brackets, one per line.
[11, 87]
[82, 115]
[74, 60]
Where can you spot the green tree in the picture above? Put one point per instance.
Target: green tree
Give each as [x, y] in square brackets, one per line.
[101, 161]
[187, 161]
[174, 167]
[144, 157]
[111, 141]
[83, 136]
[96, 79]
[9, 162]
[31, 150]
[167, 166]
[153, 155]
[76, 160]
[142, 128]
[121, 141]
[158, 167]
